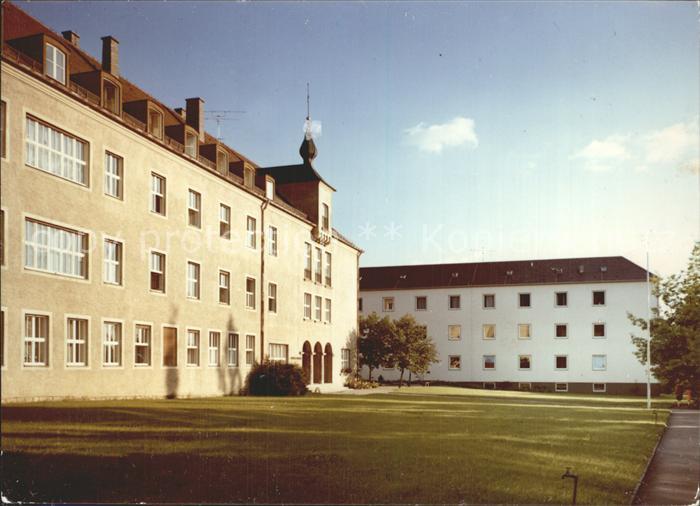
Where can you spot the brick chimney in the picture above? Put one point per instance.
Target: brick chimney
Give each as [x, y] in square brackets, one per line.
[110, 55]
[195, 115]
[71, 37]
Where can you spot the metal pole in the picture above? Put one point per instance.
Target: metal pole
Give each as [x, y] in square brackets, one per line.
[649, 332]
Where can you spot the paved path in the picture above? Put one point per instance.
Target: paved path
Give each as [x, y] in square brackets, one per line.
[674, 473]
[368, 391]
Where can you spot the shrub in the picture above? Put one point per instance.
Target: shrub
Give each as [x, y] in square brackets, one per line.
[357, 383]
[275, 379]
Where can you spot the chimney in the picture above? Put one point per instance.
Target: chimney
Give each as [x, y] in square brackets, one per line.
[180, 112]
[195, 115]
[110, 55]
[71, 37]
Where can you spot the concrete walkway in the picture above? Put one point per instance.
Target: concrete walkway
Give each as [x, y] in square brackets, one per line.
[368, 391]
[674, 473]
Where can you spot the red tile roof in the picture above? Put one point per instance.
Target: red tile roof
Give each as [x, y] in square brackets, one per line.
[521, 272]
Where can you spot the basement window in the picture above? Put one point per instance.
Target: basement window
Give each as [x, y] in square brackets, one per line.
[599, 387]
[561, 387]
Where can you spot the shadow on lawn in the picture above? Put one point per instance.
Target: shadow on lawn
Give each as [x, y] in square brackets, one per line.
[169, 478]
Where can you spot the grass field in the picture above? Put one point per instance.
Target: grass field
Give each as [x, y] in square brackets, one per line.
[424, 444]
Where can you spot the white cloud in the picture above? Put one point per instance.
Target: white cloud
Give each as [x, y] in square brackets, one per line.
[314, 127]
[691, 166]
[434, 138]
[672, 144]
[599, 153]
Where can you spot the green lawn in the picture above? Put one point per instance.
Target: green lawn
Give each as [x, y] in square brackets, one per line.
[424, 444]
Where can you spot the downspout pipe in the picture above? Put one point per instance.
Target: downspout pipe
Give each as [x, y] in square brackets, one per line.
[263, 206]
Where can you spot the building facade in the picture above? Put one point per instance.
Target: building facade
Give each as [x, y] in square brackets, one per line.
[552, 325]
[141, 257]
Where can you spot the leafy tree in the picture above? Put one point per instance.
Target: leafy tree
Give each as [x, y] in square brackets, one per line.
[410, 348]
[675, 329]
[373, 344]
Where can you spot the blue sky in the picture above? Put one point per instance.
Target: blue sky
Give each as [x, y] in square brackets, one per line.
[452, 131]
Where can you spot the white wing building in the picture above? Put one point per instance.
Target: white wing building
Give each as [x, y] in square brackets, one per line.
[551, 325]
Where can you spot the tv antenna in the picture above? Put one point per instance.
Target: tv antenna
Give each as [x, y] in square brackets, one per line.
[222, 115]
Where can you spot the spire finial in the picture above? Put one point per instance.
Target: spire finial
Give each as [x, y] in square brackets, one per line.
[308, 108]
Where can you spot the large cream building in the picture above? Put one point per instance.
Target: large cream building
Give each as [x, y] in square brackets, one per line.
[142, 257]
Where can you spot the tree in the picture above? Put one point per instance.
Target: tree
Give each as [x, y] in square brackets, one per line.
[373, 343]
[411, 348]
[675, 329]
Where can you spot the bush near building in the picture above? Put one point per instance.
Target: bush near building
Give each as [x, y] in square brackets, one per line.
[275, 379]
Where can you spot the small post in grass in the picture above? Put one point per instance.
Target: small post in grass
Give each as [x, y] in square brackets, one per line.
[656, 416]
[569, 474]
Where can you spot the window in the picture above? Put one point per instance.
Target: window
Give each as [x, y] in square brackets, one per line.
[561, 362]
[489, 361]
[455, 302]
[110, 97]
[328, 311]
[191, 145]
[599, 387]
[3, 128]
[328, 269]
[249, 349]
[250, 232]
[2, 338]
[56, 152]
[272, 297]
[345, 360]
[248, 177]
[222, 162]
[142, 345]
[224, 287]
[524, 362]
[560, 299]
[192, 280]
[224, 221]
[317, 312]
[157, 272]
[489, 301]
[36, 340]
[157, 194]
[112, 344]
[524, 300]
[250, 293]
[2, 237]
[269, 189]
[169, 347]
[598, 330]
[488, 331]
[76, 341]
[232, 350]
[561, 330]
[155, 123]
[319, 264]
[307, 306]
[421, 303]
[598, 298]
[307, 266]
[454, 332]
[561, 387]
[387, 304]
[55, 250]
[359, 304]
[194, 209]
[55, 63]
[524, 331]
[193, 347]
[454, 362]
[113, 262]
[272, 241]
[325, 217]
[113, 175]
[600, 362]
[214, 343]
[279, 352]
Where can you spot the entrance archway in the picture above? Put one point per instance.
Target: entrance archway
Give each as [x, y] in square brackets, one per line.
[328, 364]
[318, 363]
[306, 361]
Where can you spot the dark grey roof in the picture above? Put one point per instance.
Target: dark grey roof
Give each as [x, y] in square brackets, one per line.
[520, 272]
[298, 173]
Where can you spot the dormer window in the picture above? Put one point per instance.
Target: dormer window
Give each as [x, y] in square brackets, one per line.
[222, 162]
[55, 64]
[325, 217]
[155, 123]
[270, 188]
[248, 177]
[110, 96]
[191, 144]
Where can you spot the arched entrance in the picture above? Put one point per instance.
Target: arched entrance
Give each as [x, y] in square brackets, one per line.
[318, 362]
[328, 364]
[306, 361]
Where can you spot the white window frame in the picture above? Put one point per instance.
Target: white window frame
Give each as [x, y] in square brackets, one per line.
[34, 341]
[308, 269]
[483, 362]
[529, 331]
[566, 330]
[140, 342]
[325, 217]
[59, 246]
[74, 344]
[328, 272]
[307, 306]
[224, 221]
[194, 208]
[318, 274]
[222, 162]
[51, 150]
[232, 344]
[483, 331]
[191, 144]
[151, 270]
[449, 332]
[604, 367]
[483, 300]
[55, 67]
[418, 297]
[561, 387]
[113, 176]
[158, 194]
[529, 295]
[272, 298]
[225, 275]
[193, 338]
[251, 232]
[272, 241]
[112, 344]
[318, 308]
[598, 390]
[214, 350]
[449, 302]
[391, 302]
[278, 352]
[561, 368]
[327, 311]
[345, 359]
[605, 298]
[556, 299]
[112, 272]
[450, 367]
[250, 302]
[193, 275]
[269, 189]
[250, 349]
[520, 368]
[605, 330]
